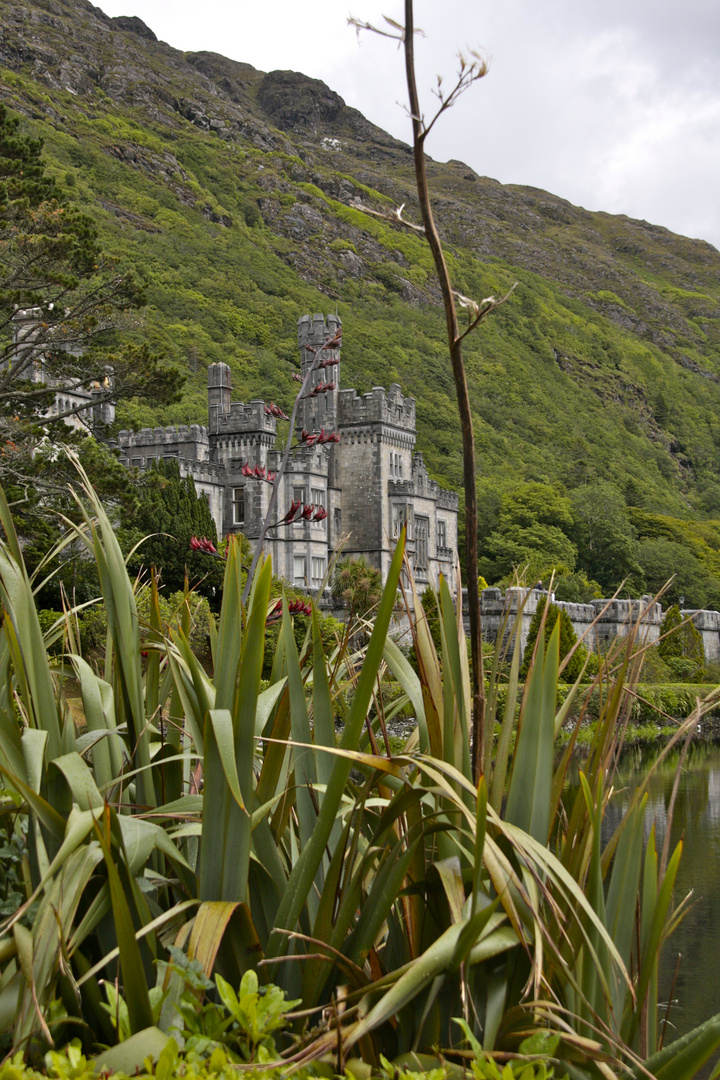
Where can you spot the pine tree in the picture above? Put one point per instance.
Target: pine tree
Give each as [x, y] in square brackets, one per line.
[568, 639]
[683, 640]
[171, 512]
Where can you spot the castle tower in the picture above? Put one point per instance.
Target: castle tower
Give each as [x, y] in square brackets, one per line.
[219, 388]
[319, 411]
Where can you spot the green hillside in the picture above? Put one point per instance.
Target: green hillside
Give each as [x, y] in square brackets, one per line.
[235, 197]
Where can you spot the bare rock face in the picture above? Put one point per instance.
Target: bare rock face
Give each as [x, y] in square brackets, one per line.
[292, 100]
[135, 26]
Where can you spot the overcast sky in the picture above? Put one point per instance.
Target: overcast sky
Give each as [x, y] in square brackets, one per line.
[612, 104]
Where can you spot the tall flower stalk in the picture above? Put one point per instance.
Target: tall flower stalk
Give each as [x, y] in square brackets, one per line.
[268, 521]
[469, 72]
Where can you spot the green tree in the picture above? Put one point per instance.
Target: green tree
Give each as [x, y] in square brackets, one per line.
[531, 533]
[683, 640]
[604, 536]
[568, 638]
[663, 559]
[576, 588]
[61, 298]
[170, 513]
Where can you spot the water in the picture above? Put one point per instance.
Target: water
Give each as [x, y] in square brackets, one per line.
[696, 821]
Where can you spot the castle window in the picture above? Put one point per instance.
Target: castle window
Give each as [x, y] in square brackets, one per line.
[399, 517]
[137, 463]
[337, 521]
[392, 465]
[318, 571]
[422, 528]
[299, 570]
[239, 506]
[299, 495]
[400, 466]
[317, 496]
[441, 534]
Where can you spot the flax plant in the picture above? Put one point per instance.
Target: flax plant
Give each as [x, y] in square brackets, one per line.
[390, 893]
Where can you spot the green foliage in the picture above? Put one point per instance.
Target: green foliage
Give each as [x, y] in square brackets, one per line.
[336, 834]
[170, 514]
[576, 588]
[683, 640]
[568, 638]
[529, 535]
[54, 267]
[604, 535]
[357, 586]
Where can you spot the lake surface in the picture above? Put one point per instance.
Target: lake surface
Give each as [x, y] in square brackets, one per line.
[696, 820]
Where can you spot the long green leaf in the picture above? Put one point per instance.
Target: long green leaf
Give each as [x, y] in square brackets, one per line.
[303, 874]
[529, 797]
[133, 973]
[227, 827]
[684, 1058]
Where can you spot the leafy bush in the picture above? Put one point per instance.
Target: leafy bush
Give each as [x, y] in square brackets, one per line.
[568, 638]
[357, 585]
[680, 639]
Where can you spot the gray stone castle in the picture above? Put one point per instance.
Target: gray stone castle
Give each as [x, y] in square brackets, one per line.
[362, 489]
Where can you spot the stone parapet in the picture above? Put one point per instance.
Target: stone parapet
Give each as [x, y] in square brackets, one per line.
[187, 432]
[185, 442]
[447, 500]
[241, 418]
[600, 622]
[377, 407]
[397, 488]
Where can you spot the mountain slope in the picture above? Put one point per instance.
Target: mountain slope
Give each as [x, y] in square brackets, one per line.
[237, 196]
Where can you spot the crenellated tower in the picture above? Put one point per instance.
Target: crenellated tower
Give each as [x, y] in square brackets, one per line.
[319, 411]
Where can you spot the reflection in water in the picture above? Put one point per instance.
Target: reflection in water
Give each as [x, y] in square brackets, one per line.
[697, 822]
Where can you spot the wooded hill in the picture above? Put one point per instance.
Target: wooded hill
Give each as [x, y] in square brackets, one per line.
[236, 198]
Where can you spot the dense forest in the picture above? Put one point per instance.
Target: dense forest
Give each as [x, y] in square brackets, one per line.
[239, 200]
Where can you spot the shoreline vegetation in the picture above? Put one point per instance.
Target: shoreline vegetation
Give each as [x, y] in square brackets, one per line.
[209, 873]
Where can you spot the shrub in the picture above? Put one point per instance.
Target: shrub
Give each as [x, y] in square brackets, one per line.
[683, 639]
[568, 638]
[251, 213]
[357, 585]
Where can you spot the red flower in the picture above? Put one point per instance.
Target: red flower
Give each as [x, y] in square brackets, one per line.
[299, 607]
[258, 473]
[203, 544]
[320, 514]
[307, 511]
[294, 507]
[295, 607]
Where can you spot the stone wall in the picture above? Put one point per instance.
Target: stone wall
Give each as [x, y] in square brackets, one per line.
[599, 622]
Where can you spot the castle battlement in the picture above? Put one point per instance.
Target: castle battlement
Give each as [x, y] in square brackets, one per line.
[184, 442]
[314, 330]
[242, 418]
[147, 436]
[447, 500]
[377, 407]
